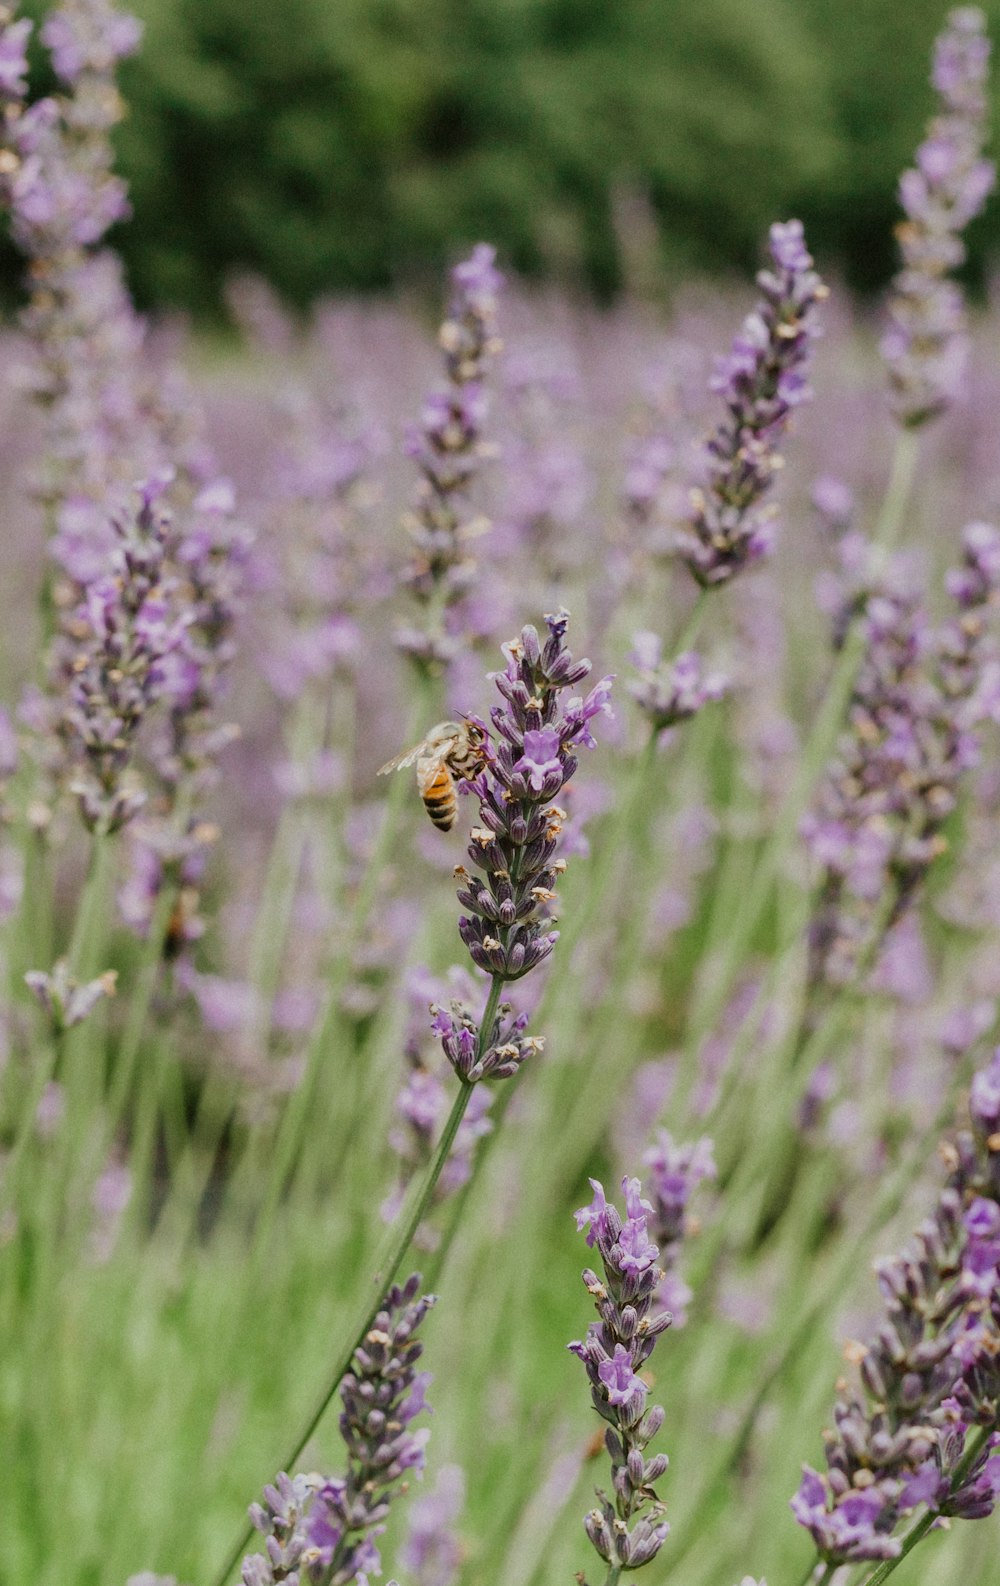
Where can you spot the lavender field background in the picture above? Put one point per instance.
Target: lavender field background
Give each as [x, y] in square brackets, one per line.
[727, 916]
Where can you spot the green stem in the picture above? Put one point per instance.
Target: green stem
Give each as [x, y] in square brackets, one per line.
[36, 906]
[148, 975]
[897, 495]
[89, 927]
[913, 1536]
[386, 1275]
[277, 898]
[693, 626]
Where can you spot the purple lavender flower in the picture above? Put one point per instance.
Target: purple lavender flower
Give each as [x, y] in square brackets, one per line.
[206, 553]
[448, 449]
[532, 758]
[673, 691]
[984, 1104]
[423, 1102]
[911, 737]
[113, 413]
[325, 1529]
[761, 382]
[126, 631]
[675, 1171]
[930, 1373]
[14, 36]
[926, 345]
[613, 1353]
[528, 761]
[89, 36]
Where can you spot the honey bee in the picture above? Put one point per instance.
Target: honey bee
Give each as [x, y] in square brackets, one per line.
[450, 750]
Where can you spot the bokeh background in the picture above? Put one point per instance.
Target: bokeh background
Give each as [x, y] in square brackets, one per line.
[337, 145]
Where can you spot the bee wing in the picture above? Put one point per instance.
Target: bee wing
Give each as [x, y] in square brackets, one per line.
[400, 762]
[430, 764]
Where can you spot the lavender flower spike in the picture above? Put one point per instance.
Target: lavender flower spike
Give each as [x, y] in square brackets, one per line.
[926, 347]
[126, 632]
[911, 737]
[323, 1530]
[931, 1373]
[613, 1353]
[531, 754]
[761, 382]
[668, 692]
[448, 448]
[675, 1171]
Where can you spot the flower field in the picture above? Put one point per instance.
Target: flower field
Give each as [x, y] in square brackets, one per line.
[484, 796]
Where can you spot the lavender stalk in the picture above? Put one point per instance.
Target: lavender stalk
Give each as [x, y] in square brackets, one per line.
[930, 1377]
[529, 758]
[626, 1530]
[926, 346]
[448, 448]
[326, 1530]
[911, 739]
[761, 382]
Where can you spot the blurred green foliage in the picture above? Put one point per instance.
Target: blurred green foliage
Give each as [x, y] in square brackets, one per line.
[339, 144]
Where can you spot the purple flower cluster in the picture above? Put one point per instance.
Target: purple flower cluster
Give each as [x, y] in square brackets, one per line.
[14, 36]
[761, 381]
[126, 630]
[675, 1171]
[510, 890]
[207, 552]
[64, 195]
[614, 1351]
[324, 1530]
[113, 416]
[901, 1439]
[926, 347]
[533, 756]
[448, 448]
[911, 737]
[423, 1102]
[668, 692]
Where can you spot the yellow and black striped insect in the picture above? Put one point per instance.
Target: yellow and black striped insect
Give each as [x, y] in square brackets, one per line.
[451, 749]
